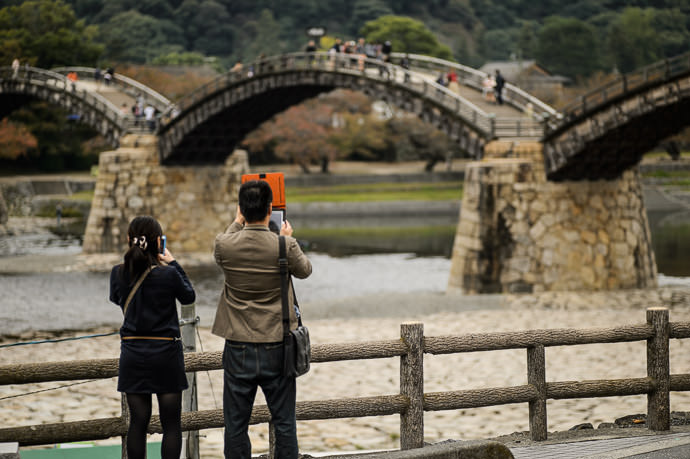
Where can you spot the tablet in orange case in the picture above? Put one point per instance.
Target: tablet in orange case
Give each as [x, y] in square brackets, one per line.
[276, 180]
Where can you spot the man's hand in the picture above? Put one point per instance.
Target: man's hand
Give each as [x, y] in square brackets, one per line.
[286, 229]
[239, 218]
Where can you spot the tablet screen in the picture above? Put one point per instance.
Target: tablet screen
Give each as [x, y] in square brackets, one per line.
[276, 222]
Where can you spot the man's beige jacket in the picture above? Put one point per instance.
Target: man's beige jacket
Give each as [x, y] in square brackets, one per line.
[250, 307]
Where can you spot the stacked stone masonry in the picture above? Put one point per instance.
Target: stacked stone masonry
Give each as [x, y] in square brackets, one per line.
[520, 233]
[193, 204]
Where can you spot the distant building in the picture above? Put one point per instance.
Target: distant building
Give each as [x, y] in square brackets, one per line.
[527, 75]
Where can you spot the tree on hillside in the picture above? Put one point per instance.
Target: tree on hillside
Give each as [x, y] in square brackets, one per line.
[263, 36]
[406, 34]
[359, 137]
[135, 37]
[568, 46]
[633, 41]
[59, 141]
[672, 29]
[46, 33]
[15, 140]
[367, 10]
[412, 139]
[300, 135]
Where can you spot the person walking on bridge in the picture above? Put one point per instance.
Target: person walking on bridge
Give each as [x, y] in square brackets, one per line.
[15, 68]
[500, 82]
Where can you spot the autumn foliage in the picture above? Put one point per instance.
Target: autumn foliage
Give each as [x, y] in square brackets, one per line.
[15, 140]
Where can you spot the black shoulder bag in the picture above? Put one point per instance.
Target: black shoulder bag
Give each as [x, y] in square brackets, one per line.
[296, 343]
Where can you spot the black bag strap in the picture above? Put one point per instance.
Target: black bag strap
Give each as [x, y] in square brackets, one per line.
[285, 282]
[284, 274]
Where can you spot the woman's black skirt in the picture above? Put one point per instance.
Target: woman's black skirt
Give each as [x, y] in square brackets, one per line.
[151, 367]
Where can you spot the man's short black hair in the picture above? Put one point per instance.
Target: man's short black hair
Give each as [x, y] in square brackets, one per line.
[255, 200]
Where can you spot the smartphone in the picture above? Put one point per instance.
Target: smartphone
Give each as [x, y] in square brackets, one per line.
[163, 241]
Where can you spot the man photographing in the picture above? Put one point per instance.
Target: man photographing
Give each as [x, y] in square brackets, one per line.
[249, 318]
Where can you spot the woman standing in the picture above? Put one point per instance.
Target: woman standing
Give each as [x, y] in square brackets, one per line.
[146, 286]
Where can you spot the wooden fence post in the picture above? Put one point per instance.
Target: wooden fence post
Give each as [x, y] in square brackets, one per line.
[189, 396]
[536, 376]
[271, 440]
[658, 401]
[412, 385]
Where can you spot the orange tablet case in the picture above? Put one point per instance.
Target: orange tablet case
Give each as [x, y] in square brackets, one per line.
[276, 180]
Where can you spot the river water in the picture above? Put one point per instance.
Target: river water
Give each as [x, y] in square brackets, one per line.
[378, 257]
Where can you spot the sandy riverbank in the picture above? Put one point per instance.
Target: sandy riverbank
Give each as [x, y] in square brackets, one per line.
[378, 377]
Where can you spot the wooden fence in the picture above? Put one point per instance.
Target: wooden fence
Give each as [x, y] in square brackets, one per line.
[411, 402]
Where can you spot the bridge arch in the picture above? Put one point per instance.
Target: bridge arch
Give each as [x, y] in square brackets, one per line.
[608, 130]
[214, 118]
[32, 83]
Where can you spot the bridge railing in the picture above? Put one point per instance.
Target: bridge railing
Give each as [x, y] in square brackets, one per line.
[411, 401]
[372, 69]
[128, 85]
[619, 87]
[474, 78]
[59, 83]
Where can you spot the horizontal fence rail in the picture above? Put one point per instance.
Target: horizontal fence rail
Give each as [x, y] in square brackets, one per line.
[411, 402]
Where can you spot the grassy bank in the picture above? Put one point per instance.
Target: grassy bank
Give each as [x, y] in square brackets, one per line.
[440, 191]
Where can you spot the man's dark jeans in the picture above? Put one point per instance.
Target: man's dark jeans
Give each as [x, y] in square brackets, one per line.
[246, 366]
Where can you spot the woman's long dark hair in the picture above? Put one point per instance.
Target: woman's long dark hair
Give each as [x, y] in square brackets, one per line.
[143, 234]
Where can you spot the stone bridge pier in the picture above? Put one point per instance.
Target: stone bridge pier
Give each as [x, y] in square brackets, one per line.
[192, 204]
[519, 232]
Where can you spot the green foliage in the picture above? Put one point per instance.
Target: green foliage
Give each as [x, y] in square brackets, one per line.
[568, 46]
[368, 10]
[497, 43]
[60, 141]
[406, 34]
[633, 41]
[180, 59]
[412, 139]
[136, 37]
[46, 33]
[477, 30]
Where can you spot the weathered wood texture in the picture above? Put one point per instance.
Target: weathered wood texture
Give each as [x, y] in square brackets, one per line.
[536, 377]
[680, 382]
[522, 339]
[194, 361]
[657, 384]
[208, 419]
[598, 388]
[658, 364]
[680, 330]
[475, 398]
[189, 396]
[412, 386]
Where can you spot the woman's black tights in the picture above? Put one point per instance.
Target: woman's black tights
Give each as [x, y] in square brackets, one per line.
[169, 407]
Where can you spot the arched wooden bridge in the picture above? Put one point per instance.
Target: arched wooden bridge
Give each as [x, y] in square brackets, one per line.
[598, 136]
[608, 130]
